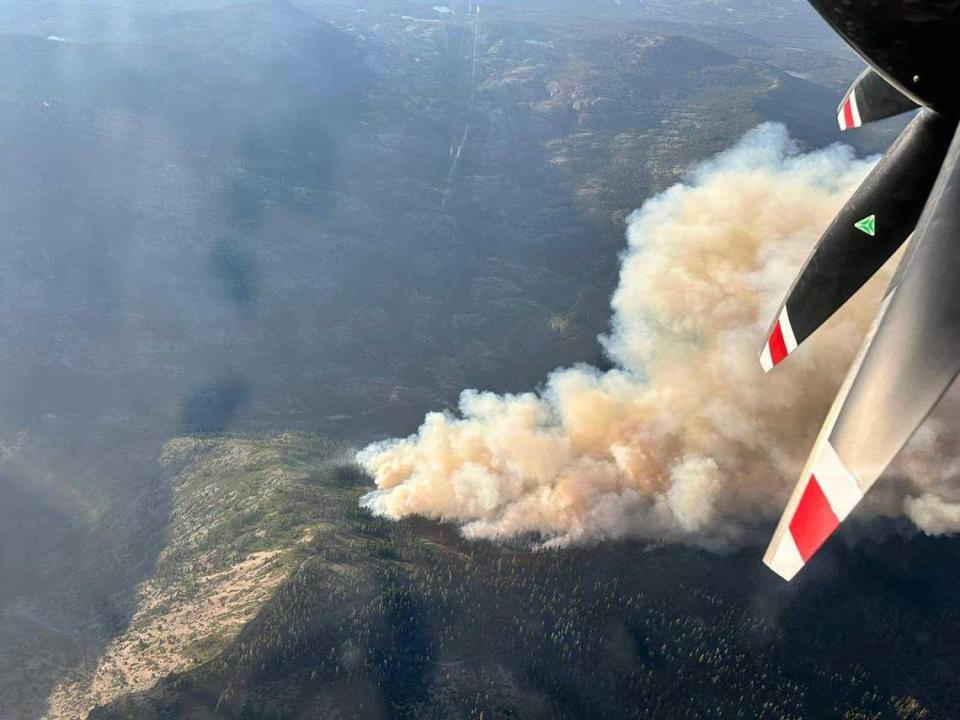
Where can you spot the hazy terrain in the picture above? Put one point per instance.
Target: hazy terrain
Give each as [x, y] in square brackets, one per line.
[232, 230]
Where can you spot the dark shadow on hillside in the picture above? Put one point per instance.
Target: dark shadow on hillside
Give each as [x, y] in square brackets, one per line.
[213, 408]
[81, 524]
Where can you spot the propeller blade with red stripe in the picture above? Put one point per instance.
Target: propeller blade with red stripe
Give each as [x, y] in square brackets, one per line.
[876, 220]
[871, 98]
[910, 357]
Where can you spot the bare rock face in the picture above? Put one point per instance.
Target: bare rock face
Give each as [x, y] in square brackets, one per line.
[241, 512]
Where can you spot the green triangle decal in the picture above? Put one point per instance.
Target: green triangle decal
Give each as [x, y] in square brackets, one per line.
[868, 225]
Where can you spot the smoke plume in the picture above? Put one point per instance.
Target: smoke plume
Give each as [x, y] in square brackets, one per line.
[685, 439]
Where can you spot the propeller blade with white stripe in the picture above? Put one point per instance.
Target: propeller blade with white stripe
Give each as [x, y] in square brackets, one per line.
[910, 357]
[876, 220]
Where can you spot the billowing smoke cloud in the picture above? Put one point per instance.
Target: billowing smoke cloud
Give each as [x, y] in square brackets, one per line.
[686, 439]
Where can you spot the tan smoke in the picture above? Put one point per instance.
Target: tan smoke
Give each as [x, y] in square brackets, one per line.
[686, 439]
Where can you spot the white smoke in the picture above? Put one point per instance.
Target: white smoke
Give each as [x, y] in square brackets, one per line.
[686, 438]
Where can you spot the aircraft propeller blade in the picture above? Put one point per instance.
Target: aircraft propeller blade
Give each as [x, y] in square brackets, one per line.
[871, 98]
[876, 220]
